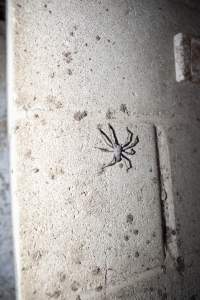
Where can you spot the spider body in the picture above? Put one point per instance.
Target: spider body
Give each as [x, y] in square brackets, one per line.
[117, 151]
[120, 151]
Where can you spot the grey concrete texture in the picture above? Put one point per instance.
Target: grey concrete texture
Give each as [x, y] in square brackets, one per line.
[6, 243]
[85, 233]
[193, 4]
[195, 54]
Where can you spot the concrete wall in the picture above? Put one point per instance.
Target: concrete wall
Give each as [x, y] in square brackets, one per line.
[85, 233]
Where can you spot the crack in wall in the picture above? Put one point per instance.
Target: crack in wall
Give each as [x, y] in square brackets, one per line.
[160, 181]
[168, 220]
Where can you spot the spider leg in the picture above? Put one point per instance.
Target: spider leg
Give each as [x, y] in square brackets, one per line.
[113, 133]
[132, 152]
[132, 145]
[129, 138]
[129, 162]
[126, 165]
[113, 162]
[103, 149]
[106, 139]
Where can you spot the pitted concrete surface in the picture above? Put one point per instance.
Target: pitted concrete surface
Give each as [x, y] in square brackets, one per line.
[84, 233]
[105, 243]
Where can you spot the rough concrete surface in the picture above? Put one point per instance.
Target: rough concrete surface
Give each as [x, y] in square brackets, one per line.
[195, 54]
[85, 233]
[6, 245]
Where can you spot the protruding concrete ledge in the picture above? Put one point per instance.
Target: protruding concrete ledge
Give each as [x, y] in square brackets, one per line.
[187, 58]
[182, 57]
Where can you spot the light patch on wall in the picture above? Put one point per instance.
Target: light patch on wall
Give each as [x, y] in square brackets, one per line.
[187, 58]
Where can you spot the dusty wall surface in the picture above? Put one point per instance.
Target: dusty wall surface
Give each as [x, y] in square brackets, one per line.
[6, 245]
[88, 233]
[190, 3]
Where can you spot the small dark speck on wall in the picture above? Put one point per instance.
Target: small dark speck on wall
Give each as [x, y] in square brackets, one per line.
[75, 286]
[98, 38]
[96, 271]
[99, 288]
[123, 108]
[180, 265]
[137, 254]
[126, 237]
[54, 295]
[129, 218]
[69, 72]
[78, 116]
[109, 114]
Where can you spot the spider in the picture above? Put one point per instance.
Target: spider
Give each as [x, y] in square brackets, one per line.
[119, 150]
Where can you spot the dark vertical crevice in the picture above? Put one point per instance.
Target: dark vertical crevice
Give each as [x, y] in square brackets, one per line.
[2, 10]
